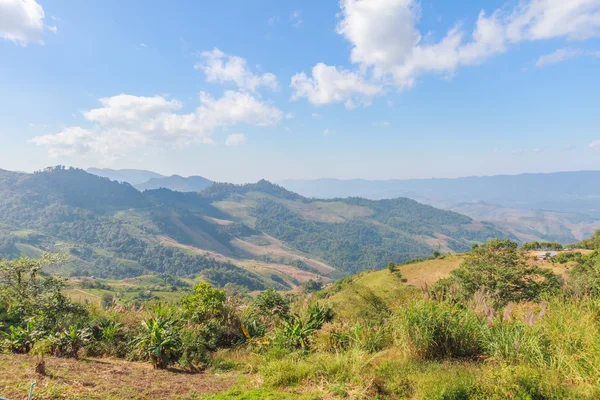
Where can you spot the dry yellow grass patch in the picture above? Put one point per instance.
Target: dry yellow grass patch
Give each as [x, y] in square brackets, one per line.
[102, 379]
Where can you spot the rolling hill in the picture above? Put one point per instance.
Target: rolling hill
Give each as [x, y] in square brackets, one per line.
[253, 235]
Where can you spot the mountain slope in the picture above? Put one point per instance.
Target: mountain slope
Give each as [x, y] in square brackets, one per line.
[131, 176]
[177, 183]
[255, 235]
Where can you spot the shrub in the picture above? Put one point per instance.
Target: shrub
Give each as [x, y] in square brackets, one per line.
[159, 341]
[504, 272]
[439, 330]
[68, 342]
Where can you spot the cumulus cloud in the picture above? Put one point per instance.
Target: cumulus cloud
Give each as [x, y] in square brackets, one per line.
[386, 44]
[330, 84]
[125, 122]
[222, 68]
[235, 139]
[22, 21]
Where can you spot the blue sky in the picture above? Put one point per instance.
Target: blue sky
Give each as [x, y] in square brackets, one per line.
[238, 91]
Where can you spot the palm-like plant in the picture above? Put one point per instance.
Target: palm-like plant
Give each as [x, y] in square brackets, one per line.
[19, 339]
[159, 341]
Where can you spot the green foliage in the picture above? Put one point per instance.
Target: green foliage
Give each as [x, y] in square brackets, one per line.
[205, 303]
[585, 275]
[542, 246]
[312, 286]
[504, 272]
[19, 339]
[592, 243]
[439, 330]
[272, 303]
[159, 341]
[28, 294]
[68, 342]
[296, 331]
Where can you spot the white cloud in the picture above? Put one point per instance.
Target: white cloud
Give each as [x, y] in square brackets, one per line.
[329, 84]
[235, 139]
[386, 44]
[316, 115]
[327, 132]
[296, 18]
[22, 21]
[517, 151]
[594, 144]
[564, 54]
[125, 122]
[143, 44]
[222, 68]
[381, 124]
[558, 56]
[537, 150]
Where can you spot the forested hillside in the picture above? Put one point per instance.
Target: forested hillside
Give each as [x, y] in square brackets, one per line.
[253, 235]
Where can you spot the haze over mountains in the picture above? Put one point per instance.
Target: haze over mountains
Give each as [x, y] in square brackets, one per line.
[148, 180]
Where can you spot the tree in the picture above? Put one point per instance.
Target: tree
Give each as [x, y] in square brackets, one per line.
[205, 303]
[27, 294]
[311, 286]
[271, 302]
[391, 267]
[504, 272]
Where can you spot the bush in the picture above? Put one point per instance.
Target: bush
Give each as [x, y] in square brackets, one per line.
[439, 330]
[159, 341]
[504, 272]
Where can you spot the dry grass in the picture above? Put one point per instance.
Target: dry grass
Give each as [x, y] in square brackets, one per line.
[103, 379]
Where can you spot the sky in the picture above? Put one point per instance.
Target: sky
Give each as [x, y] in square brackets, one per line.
[243, 90]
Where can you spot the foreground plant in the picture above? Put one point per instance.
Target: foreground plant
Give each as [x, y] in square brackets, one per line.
[159, 341]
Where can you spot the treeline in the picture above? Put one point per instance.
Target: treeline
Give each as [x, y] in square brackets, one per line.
[542, 246]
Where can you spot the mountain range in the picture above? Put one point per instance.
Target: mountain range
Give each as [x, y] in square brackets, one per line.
[560, 206]
[254, 235]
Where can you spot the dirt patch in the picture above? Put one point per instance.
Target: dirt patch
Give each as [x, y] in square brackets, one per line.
[103, 379]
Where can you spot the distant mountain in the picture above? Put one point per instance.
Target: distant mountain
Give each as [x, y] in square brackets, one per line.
[132, 176]
[255, 235]
[561, 206]
[559, 191]
[177, 183]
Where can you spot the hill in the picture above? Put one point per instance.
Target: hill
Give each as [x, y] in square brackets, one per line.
[131, 176]
[176, 182]
[559, 206]
[253, 235]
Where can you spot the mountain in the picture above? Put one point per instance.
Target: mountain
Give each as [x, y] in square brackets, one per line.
[255, 235]
[176, 182]
[132, 176]
[561, 206]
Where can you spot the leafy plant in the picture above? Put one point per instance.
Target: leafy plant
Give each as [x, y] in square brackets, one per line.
[19, 339]
[159, 341]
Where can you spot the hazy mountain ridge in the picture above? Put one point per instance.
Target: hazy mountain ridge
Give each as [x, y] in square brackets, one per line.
[177, 183]
[560, 206]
